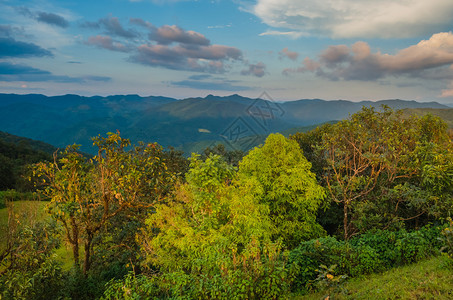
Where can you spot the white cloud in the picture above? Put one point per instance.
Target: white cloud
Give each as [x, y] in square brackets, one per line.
[291, 34]
[356, 19]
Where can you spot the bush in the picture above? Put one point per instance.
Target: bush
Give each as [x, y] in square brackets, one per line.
[368, 253]
[79, 286]
[132, 287]
[311, 254]
[270, 282]
[383, 242]
[46, 281]
[412, 247]
[30, 270]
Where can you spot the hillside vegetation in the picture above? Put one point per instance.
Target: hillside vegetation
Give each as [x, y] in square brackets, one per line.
[289, 218]
[69, 119]
[15, 154]
[445, 114]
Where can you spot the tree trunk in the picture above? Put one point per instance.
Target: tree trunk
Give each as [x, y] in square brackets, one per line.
[75, 241]
[87, 260]
[345, 222]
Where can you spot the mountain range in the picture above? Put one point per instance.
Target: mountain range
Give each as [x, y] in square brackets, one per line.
[234, 120]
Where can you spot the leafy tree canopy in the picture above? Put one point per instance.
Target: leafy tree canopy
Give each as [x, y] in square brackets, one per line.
[290, 189]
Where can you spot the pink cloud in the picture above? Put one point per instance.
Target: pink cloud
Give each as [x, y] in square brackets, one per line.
[107, 42]
[359, 63]
[289, 54]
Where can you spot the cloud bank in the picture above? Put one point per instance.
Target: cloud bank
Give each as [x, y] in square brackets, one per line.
[44, 17]
[17, 72]
[107, 42]
[167, 46]
[357, 62]
[355, 19]
[112, 26]
[12, 48]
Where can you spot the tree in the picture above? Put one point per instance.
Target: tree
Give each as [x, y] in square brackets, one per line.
[290, 189]
[86, 195]
[374, 163]
[309, 143]
[233, 157]
[329, 218]
[212, 238]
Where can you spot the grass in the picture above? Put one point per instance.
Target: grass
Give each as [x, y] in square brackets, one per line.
[428, 279]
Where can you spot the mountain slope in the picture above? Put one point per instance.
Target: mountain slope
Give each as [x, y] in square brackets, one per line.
[444, 113]
[68, 119]
[17, 152]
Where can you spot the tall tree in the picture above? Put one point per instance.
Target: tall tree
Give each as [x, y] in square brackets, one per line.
[211, 239]
[374, 163]
[87, 194]
[290, 189]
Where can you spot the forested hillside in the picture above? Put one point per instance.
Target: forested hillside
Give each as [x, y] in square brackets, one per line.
[445, 114]
[68, 119]
[15, 154]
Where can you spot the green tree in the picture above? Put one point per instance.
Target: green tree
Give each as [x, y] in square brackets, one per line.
[376, 163]
[233, 157]
[290, 189]
[86, 195]
[212, 238]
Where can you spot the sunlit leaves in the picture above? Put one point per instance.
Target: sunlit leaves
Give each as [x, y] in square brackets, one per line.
[290, 189]
[86, 195]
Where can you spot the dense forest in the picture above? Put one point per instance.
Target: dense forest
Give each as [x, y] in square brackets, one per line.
[289, 217]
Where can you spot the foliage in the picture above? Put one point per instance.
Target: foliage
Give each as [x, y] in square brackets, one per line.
[80, 286]
[329, 282]
[28, 267]
[15, 154]
[364, 254]
[175, 161]
[232, 157]
[385, 169]
[13, 195]
[309, 142]
[152, 226]
[211, 240]
[132, 287]
[87, 195]
[290, 189]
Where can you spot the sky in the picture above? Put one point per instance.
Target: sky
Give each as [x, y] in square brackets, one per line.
[290, 49]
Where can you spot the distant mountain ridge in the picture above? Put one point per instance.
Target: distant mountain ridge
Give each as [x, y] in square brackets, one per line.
[68, 119]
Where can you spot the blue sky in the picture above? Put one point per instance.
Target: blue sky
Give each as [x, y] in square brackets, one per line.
[291, 49]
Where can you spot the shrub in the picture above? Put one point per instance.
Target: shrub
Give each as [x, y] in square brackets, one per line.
[45, 281]
[131, 287]
[311, 254]
[30, 270]
[371, 252]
